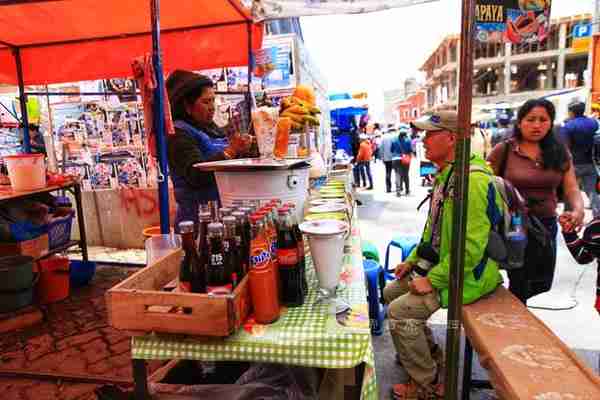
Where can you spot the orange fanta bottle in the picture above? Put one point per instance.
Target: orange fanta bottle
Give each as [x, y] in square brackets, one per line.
[262, 278]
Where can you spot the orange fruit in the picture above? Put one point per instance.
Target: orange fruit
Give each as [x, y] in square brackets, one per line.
[306, 93]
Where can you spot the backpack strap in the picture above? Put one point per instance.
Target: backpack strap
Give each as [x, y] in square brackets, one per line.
[505, 154]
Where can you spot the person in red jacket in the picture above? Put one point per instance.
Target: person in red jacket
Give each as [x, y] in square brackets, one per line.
[365, 153]
[585, 249]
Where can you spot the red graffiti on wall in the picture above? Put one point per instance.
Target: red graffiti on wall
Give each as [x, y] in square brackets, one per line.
[141, 201]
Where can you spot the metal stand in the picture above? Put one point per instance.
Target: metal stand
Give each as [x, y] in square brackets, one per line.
[140, 378]
[468, 382]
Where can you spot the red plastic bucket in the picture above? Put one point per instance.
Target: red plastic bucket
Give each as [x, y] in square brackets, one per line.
[53, 284]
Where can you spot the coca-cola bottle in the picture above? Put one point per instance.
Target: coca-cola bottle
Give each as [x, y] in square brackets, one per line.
[192, 274]
[217, 276]
[231, 250]
[300, 241]
[290, 272]
[205, 218]
[242, 240]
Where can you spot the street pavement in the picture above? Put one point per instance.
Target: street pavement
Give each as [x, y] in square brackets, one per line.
[567, 309]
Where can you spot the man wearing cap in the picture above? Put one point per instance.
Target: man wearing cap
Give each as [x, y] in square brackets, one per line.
[422, 281]
[578, 134]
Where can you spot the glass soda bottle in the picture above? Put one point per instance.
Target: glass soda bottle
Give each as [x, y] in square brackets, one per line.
[205, 218]
[271, 235]
[300, 241]
[242, 240]
[290, 272]
[217, 275]
[192, 275]
[261, 277]
[231, 250]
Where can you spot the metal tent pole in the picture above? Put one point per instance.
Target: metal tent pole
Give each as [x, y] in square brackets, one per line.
[22, 101]
[461, 199]
[249, 93]
[159, 120]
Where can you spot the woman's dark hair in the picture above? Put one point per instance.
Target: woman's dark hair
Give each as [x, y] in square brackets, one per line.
[554, 153]
[184, 87]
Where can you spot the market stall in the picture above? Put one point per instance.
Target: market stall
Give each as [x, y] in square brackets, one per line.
[191, 36]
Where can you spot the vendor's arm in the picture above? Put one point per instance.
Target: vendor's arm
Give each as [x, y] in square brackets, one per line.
[183, 153]
[478, 228]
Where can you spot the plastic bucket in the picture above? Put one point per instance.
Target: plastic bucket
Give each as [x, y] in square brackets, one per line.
[53, 285]
[151, 231]
[16, 282]
[26, 171]
[81, 272]
[289, 185]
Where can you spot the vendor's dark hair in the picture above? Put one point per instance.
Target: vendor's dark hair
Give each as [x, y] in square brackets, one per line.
[554, 153]
[184, 87]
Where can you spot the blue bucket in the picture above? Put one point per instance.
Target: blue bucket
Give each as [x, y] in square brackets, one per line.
[81, 272]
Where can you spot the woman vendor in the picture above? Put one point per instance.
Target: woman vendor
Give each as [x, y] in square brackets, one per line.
[197, 139]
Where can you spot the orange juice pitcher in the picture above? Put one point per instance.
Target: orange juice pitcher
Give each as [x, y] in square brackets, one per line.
[284, 126]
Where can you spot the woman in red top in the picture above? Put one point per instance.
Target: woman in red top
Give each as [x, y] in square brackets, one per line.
[365, 153]
[538, 165]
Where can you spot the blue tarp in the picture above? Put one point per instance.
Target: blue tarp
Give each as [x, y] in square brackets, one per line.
[340, 96]
[341, 117]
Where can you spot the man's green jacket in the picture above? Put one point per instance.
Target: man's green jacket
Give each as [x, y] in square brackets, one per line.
[481, 273]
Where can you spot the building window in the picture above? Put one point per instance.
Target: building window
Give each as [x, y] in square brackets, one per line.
[415, 113]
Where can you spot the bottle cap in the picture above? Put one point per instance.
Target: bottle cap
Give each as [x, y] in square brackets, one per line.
[205, 216]
[229, 220]
[291, 206]
[255, 218]
[186, 226]
[215, 228]
[283, 210]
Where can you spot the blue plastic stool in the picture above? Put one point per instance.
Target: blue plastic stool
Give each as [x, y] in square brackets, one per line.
[373, 273]
[404, 243]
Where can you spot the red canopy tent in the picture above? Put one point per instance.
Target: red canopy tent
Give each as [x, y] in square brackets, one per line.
[67, 41]
[53, 41]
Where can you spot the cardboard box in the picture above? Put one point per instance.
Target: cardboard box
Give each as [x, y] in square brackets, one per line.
[35, 248]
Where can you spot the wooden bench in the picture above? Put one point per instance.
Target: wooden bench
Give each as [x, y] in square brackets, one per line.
[523, 357]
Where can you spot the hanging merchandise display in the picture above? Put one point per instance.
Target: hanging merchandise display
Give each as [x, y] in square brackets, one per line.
[512, 21]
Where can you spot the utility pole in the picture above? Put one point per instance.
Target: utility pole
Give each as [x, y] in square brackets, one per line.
[590, 66]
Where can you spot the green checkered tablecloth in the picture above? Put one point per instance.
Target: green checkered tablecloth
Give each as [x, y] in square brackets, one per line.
[311, 335]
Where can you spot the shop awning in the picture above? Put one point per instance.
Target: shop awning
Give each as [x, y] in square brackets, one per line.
[75, 40]
[273, 9]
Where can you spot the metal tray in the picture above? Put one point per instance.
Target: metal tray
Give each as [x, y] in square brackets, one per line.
[252, 164]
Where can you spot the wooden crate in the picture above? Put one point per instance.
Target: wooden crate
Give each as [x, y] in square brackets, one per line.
[138, 304]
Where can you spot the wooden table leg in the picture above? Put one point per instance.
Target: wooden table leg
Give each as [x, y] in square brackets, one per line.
[140, 379]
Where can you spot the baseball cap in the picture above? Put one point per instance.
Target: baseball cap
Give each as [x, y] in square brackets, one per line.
[438, 121]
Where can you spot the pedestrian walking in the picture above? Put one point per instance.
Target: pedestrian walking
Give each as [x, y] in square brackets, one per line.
[537, 163]
[404, 149]
[578, 134]
[387, 156]
[365, 154]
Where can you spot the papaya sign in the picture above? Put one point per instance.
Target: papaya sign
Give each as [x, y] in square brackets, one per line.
[512, 21]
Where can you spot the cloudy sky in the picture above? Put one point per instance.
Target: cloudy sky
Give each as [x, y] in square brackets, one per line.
[377, 51]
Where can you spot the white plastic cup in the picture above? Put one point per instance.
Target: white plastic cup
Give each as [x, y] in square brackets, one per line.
[26, 171]
[328, 255]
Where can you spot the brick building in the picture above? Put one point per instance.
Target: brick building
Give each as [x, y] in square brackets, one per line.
[412, 107]
[508, 72]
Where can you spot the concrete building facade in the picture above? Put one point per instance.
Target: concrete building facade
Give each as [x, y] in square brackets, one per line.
[508, 72]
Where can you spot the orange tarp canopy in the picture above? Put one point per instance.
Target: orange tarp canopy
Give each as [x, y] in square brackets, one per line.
[76, 40]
